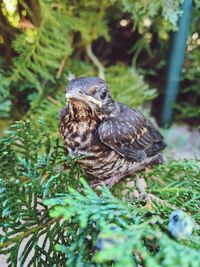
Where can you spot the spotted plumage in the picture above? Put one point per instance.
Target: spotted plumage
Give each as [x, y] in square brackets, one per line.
[108, 138]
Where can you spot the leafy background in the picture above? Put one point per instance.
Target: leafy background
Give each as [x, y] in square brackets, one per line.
[44, 222]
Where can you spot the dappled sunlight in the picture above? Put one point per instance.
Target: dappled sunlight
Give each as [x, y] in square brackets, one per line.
[9, 9]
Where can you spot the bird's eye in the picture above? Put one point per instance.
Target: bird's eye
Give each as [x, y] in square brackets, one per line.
[103, 95]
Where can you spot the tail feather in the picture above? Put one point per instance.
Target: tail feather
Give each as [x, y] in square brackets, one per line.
[155, 148]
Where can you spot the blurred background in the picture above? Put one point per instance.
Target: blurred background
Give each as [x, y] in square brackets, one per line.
[129, 43]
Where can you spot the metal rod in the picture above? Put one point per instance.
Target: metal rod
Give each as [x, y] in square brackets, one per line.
[176, 59]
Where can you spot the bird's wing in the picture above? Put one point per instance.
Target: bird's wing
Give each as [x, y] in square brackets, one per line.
[131, 135]
[63, 113]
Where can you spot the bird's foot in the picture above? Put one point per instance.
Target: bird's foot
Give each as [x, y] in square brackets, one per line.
[141, 193]
[110, 182]
[141, 186]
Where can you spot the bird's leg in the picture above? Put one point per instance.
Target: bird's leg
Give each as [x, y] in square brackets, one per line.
[141, 186]
[110, 182]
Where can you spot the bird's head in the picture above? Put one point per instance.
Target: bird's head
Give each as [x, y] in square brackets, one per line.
[90, 92]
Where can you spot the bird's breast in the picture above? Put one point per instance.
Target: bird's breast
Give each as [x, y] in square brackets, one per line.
[81, 137]
[83, 143]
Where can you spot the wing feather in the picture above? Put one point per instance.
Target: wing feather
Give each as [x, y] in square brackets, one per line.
[131, 135]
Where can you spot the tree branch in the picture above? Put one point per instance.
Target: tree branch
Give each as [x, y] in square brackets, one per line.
[95, 61]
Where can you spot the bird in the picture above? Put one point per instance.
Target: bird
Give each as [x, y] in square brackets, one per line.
[108, 139]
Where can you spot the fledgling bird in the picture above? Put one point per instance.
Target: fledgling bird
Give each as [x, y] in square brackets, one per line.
[110, 139]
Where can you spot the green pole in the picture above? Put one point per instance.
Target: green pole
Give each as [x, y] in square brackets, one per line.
[176, 59]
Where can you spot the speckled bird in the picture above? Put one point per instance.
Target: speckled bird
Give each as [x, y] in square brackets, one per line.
[109, 139]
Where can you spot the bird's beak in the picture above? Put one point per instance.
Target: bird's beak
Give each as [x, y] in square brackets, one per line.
[83, 98]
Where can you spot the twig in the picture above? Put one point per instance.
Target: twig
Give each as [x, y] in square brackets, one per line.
[96, 61]
[60, 69]
[27, 233]
[157, 179]
[160, 201]
[54, 101]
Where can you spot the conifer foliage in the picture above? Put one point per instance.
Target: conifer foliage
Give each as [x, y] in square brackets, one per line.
[50, 215]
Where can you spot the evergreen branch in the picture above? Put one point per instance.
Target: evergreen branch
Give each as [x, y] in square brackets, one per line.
[41, 50]
[27, 233]
[124, 234]
[33, 179]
